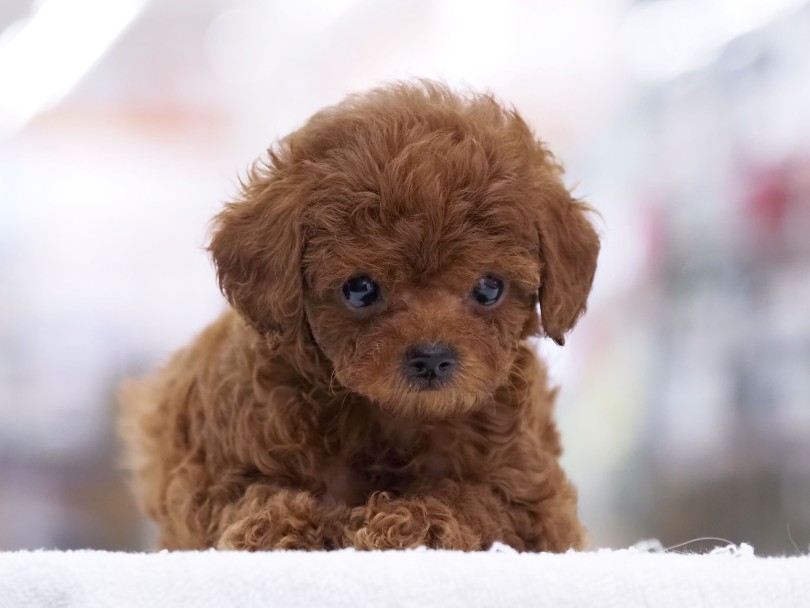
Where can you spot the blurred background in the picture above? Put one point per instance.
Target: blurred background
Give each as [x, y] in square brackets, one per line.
[685, 401]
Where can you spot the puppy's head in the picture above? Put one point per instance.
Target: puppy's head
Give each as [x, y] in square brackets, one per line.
[410, 234]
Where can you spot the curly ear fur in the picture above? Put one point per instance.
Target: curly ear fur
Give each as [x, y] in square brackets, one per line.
[257, 246]
[569, 247]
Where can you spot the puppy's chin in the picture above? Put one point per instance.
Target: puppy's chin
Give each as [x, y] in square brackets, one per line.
[428, 404]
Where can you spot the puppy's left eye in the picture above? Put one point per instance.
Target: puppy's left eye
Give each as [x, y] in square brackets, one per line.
[360, 291]
[488, 290]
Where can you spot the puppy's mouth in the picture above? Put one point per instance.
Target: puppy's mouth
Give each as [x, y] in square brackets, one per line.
[427, 384]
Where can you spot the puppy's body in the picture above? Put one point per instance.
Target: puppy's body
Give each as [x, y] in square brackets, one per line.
[315, 414]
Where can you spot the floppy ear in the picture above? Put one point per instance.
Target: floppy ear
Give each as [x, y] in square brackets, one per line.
[257, 248]
[569, 247]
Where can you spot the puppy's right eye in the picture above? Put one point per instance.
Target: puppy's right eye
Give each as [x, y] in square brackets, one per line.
[360, 291]
[488, 290]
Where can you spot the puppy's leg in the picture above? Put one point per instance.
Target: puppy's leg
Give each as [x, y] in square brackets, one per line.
[468, 517]
[401, 523]
[267, 518]
[528, 516]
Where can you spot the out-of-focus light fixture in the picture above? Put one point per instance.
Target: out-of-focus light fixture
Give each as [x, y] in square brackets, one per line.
[666, 38]
[44, 56]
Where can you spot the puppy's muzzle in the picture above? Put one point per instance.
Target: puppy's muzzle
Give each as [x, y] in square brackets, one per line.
[429, 366]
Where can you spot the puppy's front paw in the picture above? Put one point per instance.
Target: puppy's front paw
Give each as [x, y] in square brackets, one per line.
[396, 525]
[287, 521]
[263, 532]
[386, 523]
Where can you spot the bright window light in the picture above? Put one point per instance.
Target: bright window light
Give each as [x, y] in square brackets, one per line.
[43, 57]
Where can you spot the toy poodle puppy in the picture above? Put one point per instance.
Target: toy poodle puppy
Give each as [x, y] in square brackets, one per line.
[371, 385]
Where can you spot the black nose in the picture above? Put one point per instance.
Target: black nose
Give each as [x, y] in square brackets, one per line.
[430, 365]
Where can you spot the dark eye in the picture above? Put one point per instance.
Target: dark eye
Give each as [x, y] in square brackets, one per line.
[361, 291]
[488, 290]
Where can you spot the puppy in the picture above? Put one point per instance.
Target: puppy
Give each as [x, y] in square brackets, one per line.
[371, 384]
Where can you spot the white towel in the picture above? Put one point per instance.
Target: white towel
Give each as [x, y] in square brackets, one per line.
[419, 578]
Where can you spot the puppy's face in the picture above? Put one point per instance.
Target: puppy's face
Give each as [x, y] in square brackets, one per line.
[409, 234]
[422, 308]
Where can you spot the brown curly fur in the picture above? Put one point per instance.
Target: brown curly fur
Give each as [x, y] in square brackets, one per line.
[288, 423]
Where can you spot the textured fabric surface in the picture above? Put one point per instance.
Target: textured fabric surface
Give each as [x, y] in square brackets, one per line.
[728, 578]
